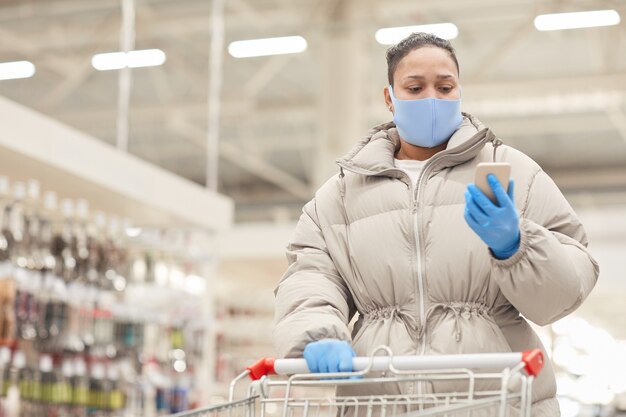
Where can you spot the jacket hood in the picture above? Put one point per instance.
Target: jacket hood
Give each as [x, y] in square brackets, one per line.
[376, 151]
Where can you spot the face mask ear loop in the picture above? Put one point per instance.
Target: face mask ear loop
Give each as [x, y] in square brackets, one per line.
[393, 98]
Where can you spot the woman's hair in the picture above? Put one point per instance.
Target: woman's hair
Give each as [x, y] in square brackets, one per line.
[415, 40]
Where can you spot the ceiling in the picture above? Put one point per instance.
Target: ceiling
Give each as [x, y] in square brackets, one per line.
[558, 96]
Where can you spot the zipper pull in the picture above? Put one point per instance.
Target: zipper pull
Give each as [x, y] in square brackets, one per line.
[496, 142]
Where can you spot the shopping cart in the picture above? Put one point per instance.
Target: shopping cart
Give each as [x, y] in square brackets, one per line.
[498, 384]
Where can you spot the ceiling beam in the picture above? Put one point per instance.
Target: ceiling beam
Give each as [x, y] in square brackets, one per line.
[81, 68]
[254, 164]
[493, 57]
[14, 45]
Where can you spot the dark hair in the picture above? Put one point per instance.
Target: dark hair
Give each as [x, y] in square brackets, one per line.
[415, 40]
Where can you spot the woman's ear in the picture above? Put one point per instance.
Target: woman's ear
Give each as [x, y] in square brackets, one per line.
[388, 101]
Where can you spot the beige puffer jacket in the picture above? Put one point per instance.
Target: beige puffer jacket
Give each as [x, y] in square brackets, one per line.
[421, 280]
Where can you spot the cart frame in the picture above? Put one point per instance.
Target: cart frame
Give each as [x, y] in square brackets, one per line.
[512, 375]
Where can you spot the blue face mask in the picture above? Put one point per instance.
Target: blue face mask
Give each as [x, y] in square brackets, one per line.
[426, 122]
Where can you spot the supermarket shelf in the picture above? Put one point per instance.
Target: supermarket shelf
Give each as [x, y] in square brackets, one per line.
[77, 165]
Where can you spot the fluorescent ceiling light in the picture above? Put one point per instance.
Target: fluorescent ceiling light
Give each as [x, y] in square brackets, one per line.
[560, 21]
[132, 59]
[268, 46]
[391, 36]
[15, 70]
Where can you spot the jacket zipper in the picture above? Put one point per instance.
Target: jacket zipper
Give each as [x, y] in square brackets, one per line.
[419, 274]
[418, 265]
[418, 261]
[419, 252]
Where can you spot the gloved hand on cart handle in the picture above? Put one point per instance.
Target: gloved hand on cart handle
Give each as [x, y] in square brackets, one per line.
[329, 355]
[496, 224]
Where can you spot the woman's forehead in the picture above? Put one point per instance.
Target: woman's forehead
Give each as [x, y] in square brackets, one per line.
[427, 61]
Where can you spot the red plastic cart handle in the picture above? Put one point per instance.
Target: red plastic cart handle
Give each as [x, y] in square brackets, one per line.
[262, 367]
[534, 361]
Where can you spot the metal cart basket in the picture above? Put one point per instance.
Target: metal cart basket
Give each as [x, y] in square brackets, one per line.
[498, 384]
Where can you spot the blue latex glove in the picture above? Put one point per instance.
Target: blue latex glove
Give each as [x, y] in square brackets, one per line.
[496, 224]
[329, 355]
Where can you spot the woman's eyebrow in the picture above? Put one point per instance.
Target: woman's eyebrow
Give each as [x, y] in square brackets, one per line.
[421, 77]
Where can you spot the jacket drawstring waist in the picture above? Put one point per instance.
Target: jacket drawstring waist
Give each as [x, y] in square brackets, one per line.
[459, 310]
[389, 312]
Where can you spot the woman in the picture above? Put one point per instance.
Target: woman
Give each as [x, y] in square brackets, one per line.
[429, 263]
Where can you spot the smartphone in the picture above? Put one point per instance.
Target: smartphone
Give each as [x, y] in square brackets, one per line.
[502, 171]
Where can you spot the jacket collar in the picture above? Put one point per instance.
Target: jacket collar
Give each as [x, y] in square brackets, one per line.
[374, 154]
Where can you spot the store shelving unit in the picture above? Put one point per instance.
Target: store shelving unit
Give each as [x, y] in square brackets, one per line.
[75, 165]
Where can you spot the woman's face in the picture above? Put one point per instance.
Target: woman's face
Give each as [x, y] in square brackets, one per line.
[427, 72]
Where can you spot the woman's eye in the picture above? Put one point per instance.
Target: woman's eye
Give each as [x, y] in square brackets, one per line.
[415, 89]
[446, 89]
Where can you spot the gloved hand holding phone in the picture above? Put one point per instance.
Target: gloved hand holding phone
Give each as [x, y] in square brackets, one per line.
[329, 355]
[496, 224]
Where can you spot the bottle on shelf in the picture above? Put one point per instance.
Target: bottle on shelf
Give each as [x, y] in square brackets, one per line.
[68, 243]
[47, 379]
[8, 293]
[80, 244]
[32, 226]
[96, 389]
[5, 370]
[12, 404]
[116, 400]
[80, 388]
[6, 237]
[65, 388]
[16, 225]
[49, 216]
[113, 267]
